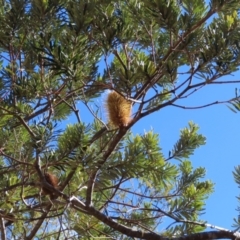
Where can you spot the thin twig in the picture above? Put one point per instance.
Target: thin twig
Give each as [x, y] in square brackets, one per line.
[3, 229]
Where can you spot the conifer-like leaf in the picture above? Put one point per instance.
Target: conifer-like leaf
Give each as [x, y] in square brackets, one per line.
[189, 140]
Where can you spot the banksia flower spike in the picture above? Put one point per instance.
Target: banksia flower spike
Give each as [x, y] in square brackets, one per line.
[52, 180]
[118, 109]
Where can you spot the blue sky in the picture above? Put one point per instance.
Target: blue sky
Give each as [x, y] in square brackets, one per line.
[221, 153]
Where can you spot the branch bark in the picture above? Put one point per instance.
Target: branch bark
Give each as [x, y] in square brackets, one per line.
[154, 236]
[3, 229]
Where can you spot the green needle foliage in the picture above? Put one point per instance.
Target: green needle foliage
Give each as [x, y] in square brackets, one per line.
[58, 60]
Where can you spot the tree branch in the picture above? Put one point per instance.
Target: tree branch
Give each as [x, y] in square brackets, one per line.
[153, 236]
[39, 223]
[3, 229]
[92, 178]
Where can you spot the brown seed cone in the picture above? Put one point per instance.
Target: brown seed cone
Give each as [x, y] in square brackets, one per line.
[52, 180]
[119, 110]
